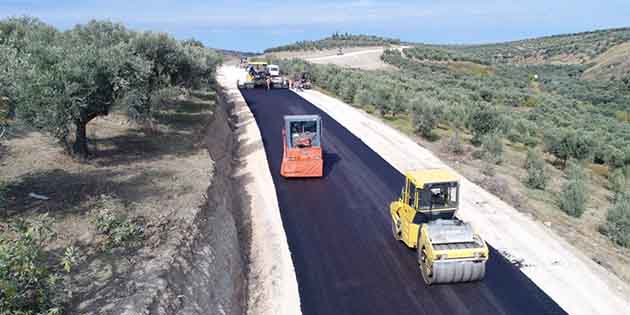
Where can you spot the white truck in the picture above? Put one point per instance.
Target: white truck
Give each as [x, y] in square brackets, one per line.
[277, 80]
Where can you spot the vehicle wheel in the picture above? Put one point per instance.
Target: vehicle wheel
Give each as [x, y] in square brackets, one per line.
[396, 229]
[425, 268]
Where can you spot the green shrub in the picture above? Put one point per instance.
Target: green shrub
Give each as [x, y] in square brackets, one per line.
[492, 148]
[568, 143]
[623, 116]
[536, 174]
[454, 144]
[515, 136]
[617, 183]
[27, 284]
[118, 230]
[617, 226]
[611, 155]
[523, 131]
[531, 141]
[425, 115]
[485, 120]
[574, 194]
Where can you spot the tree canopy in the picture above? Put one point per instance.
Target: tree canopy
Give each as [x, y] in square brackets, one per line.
[60, 81]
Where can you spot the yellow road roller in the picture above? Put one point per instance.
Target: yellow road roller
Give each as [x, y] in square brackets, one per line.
[424, 218]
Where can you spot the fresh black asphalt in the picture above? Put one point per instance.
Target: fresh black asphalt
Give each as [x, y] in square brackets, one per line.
[338, 229]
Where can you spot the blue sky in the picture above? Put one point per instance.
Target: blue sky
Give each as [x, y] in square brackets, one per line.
[255, 25]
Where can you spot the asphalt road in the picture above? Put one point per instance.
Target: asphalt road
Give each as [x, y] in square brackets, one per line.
[338, 229]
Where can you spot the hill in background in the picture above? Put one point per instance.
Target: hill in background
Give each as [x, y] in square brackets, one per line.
[337, 40]
[605, 54]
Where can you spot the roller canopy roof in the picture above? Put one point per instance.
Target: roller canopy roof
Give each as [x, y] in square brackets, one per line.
[433, 176]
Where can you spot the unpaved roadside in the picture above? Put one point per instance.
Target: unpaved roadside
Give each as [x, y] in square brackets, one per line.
[272, 283]
[575, 282]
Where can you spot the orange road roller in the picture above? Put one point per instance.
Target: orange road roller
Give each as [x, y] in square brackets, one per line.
[302, 146]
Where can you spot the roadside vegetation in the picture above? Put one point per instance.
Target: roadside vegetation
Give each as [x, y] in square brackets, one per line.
[60, 81]
[544, 138]
[100, 140]
[337, 40]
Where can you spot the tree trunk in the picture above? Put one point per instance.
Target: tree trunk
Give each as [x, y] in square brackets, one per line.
[80, 147]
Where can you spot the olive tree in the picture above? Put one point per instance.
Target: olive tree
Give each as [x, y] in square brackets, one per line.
[81, 85]
[170, 65]
[617, 226]
[425, 115]
[485, 120]
[573, 196]
[10, 64]
[565, 144]
[492, 148]
[536, 170]
[617, 183]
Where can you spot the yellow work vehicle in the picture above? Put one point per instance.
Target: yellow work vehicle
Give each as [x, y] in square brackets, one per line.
[449, 250]
[257, 75]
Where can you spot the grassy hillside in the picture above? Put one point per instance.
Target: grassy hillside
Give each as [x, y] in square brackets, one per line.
[614, 64]
[579, 48]
[337, 40]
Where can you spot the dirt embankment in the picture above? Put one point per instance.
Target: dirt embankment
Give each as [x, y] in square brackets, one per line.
[272, 284]
[201, 269]
[208, 271]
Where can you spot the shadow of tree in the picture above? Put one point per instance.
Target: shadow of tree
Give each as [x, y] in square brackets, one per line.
[187, 106]
[182, 120]
[101, 279]
[136, 147]
[66, 191]
[185, 121]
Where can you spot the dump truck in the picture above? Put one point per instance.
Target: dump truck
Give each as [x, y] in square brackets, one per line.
[277, 80]
[424, 217]
[302, 146]
[256, 75]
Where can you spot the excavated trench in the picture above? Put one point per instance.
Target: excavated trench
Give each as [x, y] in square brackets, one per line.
[212, 278]
[202, 267]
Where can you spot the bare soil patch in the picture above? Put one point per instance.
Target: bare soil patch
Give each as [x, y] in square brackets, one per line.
[614, 64]
[366, 58]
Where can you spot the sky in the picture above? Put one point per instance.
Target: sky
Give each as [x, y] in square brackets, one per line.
[252, 26]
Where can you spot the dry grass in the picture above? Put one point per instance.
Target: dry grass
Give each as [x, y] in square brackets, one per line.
[613, 64]
[471, 68]
[150, 178]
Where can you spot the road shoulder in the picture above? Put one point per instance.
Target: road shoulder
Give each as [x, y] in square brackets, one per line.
[272, 281]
